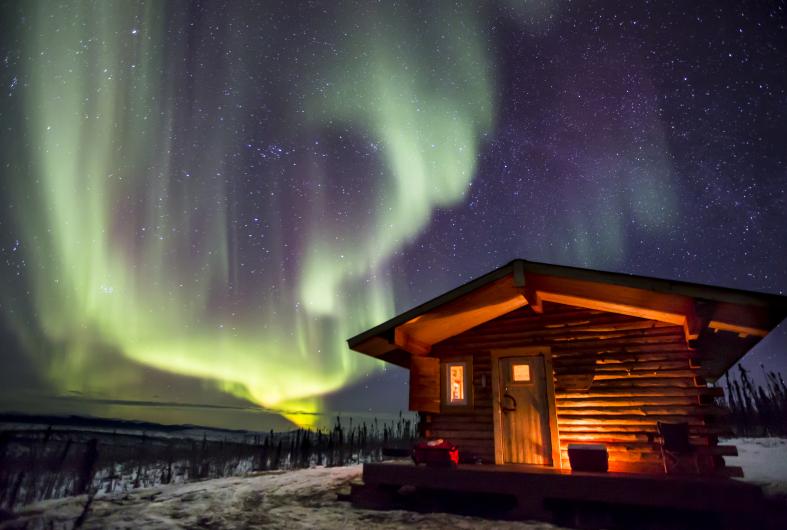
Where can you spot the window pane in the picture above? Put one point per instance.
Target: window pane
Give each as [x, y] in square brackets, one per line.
[521, 373]
[456, 378]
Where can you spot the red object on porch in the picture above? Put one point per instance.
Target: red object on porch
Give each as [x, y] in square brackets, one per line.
[588, 457]
[436, 453]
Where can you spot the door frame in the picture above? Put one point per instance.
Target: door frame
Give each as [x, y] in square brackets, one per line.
[497, 420]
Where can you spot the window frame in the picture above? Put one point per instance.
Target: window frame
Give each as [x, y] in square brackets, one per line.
[529, 381]
[445, 370]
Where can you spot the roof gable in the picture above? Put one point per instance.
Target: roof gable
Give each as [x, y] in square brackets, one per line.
[699, 309]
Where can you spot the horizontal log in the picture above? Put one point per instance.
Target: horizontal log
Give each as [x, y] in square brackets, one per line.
[645, 410]
[660, 336]
[610, 359]
[613, 326]
[452, 434]
[460, 425]
[601, 373]
[681, 363]
[605, 427]
[650, 447]
[622, 344]
[526, 313]
[511, 341]
[574, 383]
[635, 382]
[622, 350]
[676, 346]
[576, 317]
[468, 427]
[642, 391]
[585, 326]
[613, 401]
[609, 375]
[475, 414]
[626, 420]
[573, 318]
[463, 415]
[673, 361]
[629, 337]
[596, 328]
[652, 457]
[481, 415]
[604, 437]
[617, 447]
[694, 430]
[525, 318]
[617, 437]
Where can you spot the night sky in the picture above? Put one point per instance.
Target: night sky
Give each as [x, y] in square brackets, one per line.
[202, 201]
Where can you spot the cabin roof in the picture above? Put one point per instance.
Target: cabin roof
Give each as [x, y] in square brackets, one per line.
[727, 321]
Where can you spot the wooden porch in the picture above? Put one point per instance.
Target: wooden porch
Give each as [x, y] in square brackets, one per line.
[610, 500]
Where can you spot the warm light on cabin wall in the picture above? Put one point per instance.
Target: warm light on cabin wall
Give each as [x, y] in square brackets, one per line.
[619, 460]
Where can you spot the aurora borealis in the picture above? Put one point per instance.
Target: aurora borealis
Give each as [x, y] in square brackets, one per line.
[202, 201]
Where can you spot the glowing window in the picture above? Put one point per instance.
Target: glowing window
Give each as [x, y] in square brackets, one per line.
[456, 392]
[520, 373]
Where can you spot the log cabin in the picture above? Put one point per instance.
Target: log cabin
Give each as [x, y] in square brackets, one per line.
[519, 364]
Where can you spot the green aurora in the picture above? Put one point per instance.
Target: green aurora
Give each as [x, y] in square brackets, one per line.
[133, 208]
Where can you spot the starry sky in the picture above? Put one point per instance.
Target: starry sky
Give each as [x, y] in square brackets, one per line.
[202, 200]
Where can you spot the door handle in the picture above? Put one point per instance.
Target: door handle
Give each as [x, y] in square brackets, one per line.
[503, 407]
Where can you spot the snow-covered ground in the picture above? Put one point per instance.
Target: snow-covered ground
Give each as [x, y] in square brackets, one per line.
[307, 499]
[764, 462]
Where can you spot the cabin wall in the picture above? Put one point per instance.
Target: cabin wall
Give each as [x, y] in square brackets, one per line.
[615, 377]
[470, 429]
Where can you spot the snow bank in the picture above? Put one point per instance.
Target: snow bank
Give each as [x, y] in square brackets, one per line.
[764, 462]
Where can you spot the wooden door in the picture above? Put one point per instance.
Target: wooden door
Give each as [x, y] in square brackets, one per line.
[524, 411]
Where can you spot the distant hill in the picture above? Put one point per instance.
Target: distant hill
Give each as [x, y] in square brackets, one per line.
[87, 422]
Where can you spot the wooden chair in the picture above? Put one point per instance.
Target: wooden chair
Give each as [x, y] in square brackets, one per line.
[676, 448]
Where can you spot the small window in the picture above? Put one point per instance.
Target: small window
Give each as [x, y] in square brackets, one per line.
[520, 372]
[456, 383]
